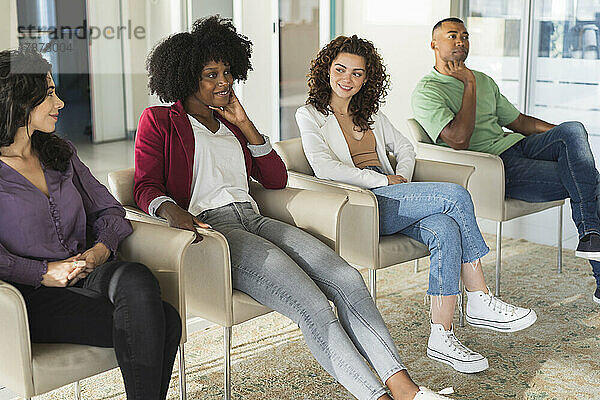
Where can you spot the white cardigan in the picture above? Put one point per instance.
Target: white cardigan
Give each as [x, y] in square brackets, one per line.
[327, 151]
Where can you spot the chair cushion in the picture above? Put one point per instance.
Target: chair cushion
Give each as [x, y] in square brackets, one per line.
[246, 308]
[56, 365]
[396, 249]
[518, 208]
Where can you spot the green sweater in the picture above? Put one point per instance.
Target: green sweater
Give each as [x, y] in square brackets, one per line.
[437, 99]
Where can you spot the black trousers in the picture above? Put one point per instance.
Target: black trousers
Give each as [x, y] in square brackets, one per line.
[118, 305]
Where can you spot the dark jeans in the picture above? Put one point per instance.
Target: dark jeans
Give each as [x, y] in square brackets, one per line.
[554, 165]
[118, 305]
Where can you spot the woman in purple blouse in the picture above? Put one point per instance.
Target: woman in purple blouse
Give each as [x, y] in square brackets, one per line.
[59, 231]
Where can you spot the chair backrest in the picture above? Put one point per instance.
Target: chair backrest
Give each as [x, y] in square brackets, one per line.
[121, 186]
[417, 132]
[292, 154]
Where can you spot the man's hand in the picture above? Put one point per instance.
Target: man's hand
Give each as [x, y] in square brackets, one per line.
[395, 179]
[457, 133]
[58, 272]
[458, 70]
[180, 218]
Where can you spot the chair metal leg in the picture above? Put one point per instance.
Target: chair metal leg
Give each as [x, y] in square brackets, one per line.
[373, 284]
[182, 386]
[498, 256]
[227, 340]
[560, 239]
[461, 303]
[416, 265]
[78, 390]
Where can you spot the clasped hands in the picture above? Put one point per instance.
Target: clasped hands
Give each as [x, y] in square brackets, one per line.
[70, 271]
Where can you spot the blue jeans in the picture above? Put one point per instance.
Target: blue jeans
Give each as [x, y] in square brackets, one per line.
[441, 216]
[555, 165]
[118, 305]
[295, 274]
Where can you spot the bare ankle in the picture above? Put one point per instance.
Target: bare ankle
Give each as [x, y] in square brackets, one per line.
[402, 387]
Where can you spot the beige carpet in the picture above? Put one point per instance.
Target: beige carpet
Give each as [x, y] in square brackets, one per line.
[556, 358]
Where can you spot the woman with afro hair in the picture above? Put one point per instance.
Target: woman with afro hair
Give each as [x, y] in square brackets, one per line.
[193, 160]
[346, 138]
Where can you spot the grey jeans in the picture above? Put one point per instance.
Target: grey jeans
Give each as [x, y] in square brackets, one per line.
[295, 274]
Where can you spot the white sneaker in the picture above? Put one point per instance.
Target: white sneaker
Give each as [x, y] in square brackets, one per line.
[487, 311]
[443, 346]
[426, 394]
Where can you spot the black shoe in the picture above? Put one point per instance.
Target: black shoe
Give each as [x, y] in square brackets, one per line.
[589, 247]
[597, 295]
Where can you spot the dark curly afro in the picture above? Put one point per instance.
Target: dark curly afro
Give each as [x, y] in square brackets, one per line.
[175, 64]
[366, 102]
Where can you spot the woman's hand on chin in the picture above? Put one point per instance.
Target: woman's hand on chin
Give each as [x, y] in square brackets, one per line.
[233, 111]
[180, 218]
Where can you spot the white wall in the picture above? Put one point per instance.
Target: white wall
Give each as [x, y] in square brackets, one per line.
[106, 73]
[401, 30]
[260, 94]
[8, 25]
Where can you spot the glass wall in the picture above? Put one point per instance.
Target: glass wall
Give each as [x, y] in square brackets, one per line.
[497, 46]
[565, 71]
[544, 55]
[298, 44]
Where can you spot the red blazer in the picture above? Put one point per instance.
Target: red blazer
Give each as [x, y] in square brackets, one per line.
[164, 157]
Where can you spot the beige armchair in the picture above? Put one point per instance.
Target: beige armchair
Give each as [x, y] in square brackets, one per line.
[363, 247]
[30, 369]
[207, 277]
[487, 189]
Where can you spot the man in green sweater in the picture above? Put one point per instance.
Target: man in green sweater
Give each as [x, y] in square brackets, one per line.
[463, 109]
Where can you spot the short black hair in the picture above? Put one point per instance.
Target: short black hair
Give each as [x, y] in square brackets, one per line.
[175, 64]
[450, 19]
[23, 87]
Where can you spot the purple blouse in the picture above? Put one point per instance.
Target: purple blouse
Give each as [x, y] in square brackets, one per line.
[35, 229]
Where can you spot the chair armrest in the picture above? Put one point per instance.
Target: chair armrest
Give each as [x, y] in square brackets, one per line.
[357, 246]
[297, 207]
[194, 277]
[162, 250]
[15, 346]
[486, 185]
[438, 171]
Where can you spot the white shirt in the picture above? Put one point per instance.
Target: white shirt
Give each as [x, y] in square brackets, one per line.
[327, 151]
[219, 174]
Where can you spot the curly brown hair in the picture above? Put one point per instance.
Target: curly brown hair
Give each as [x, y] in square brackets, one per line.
[366, 102]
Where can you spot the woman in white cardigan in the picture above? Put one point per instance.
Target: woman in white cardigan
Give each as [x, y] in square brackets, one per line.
[346, 138]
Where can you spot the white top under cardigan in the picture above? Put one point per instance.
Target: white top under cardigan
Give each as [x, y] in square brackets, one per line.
[219, 172]
[327, 151]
